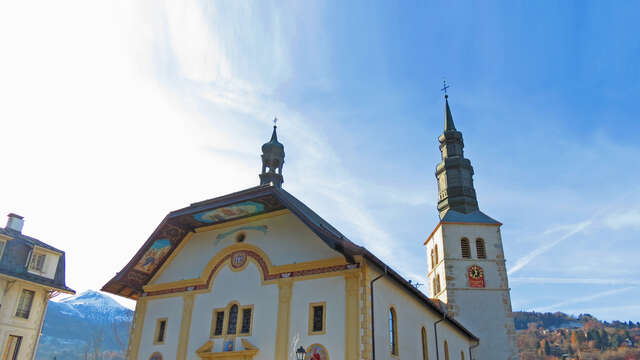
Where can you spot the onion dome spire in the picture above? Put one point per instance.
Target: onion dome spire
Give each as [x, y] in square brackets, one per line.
[454, 172]
[272, 160]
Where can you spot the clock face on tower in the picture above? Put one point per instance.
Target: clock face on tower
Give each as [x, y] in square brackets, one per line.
[476, 276]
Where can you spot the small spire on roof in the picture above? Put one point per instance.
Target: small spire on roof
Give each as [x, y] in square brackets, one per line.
[274, 135]
[272, 160]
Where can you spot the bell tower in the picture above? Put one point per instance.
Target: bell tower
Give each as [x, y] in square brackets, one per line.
[466, 264]
[272, 160]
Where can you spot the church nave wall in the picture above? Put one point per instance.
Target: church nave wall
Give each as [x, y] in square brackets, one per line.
[411, 315]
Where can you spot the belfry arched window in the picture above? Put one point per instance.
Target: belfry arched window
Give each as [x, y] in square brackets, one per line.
[446, 350]
[437, 284]
[464, 247]
[433, 260]
[461, 355]
[233, 320]
[437, 258]
[480, 249]
[425, 347]
[393, 331]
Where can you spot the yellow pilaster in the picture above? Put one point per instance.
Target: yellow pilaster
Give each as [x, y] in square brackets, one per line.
[136, 329]
[352, 323]
[285, 288]
[185, 326]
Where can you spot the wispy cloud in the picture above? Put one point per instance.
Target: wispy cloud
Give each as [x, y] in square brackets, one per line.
[599, 295]
[557, 280]
[620, 220]
[570, 231]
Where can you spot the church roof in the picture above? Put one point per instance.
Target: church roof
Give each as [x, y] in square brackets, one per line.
[475, 217]
[243, 204]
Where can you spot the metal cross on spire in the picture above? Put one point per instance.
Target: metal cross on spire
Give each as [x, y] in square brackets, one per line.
[444, 88]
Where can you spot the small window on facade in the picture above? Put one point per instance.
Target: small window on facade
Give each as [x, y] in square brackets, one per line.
[13, 348]
[466, 250]
[161, 331]
[317, 318]
[446, 350]
[437, 258]
[37, 262]
[433, 286]
[218, 322]
[461, 355]
[482, 253]
[245, 328]
[393, 331]
[240, 237]
[2, 246]
[437, 283]
[24, 305]
[233, 320]
[425, 347]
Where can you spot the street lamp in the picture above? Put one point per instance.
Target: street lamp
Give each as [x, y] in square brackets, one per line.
[300, 353]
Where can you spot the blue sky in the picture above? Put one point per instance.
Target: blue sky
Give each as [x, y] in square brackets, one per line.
[116, 113]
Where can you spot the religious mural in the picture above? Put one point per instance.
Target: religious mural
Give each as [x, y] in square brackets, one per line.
[153, 256]
[230, 212]
[156, 356]
[316, 352]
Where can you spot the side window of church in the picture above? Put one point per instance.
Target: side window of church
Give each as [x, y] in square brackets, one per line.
[24, 304]
[161, 331]
[480, 249]
[245, 327]
[218, 317]
[393, 331]
[317, 318]
[464, 246]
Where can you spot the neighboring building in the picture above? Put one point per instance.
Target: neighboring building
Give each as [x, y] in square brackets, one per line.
[256, 274]
[31, 272]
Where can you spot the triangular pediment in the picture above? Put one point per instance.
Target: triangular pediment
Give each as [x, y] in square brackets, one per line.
[245, 205]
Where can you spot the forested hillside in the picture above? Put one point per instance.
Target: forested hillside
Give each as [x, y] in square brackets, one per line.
[552, 336]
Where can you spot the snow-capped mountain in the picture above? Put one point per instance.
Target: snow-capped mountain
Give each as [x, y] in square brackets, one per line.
[83, 323]
[93, 305]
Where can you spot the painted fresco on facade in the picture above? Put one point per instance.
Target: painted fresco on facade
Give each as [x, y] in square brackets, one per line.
[316, 352]
[156, 356]
[230, 212]
[153, 256]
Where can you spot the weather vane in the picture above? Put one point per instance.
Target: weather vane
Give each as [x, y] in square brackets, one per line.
[445, 87]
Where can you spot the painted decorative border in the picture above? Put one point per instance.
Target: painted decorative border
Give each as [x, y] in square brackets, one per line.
[262, 264]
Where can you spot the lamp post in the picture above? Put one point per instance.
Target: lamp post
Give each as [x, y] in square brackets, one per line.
[300, 353]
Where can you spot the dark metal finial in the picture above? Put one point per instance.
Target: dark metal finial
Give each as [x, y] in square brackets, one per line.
[275, 120]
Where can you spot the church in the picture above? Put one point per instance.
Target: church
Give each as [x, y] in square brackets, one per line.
[257, 274]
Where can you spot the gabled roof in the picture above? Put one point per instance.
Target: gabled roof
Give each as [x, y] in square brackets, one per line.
[14, 260]
[243, 204]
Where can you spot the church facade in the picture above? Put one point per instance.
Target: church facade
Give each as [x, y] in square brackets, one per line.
[257, 274]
